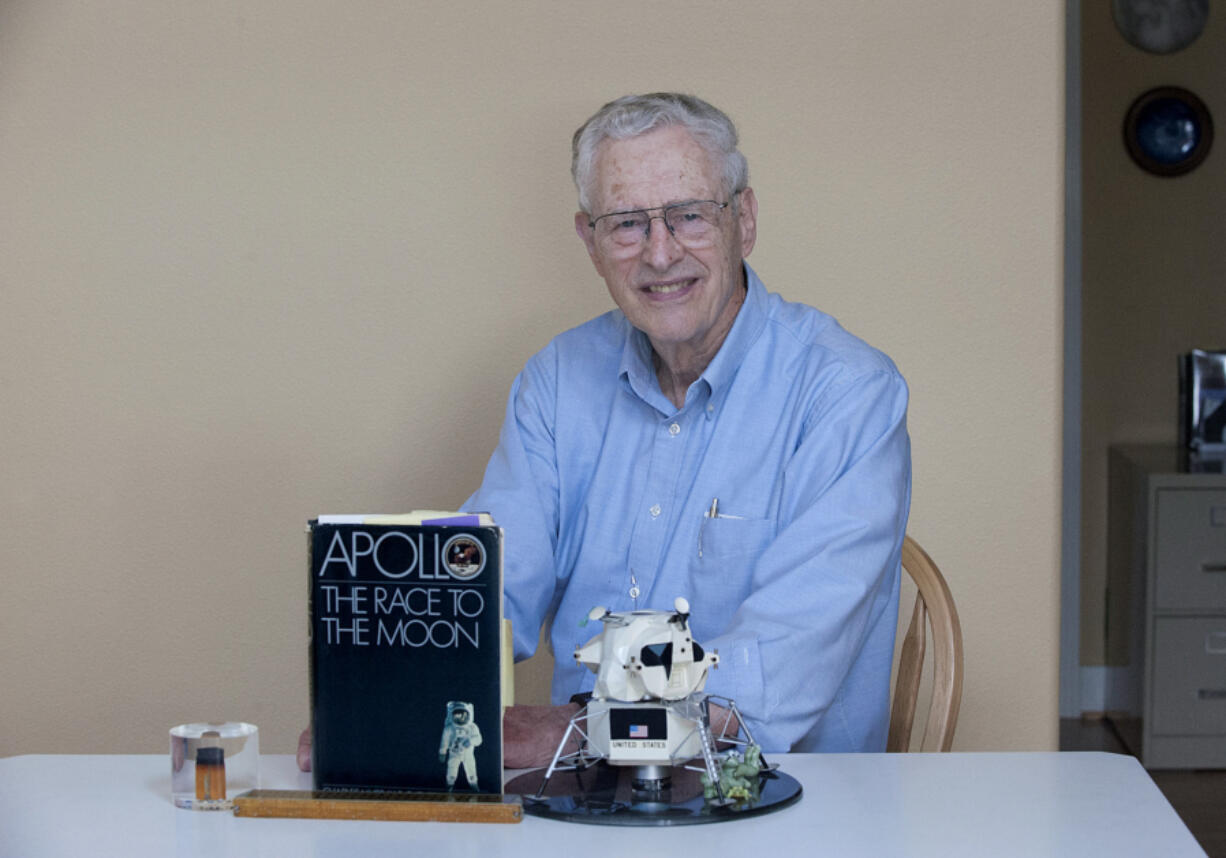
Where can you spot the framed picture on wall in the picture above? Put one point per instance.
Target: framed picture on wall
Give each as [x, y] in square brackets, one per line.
[1168, 131]
[1160, 26]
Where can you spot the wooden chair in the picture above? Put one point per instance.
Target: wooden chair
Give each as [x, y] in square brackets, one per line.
[934, 605]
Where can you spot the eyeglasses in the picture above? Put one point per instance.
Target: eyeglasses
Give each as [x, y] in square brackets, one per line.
[695, 224]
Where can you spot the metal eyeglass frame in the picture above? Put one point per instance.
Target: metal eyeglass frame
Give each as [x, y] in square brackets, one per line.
[663, 215]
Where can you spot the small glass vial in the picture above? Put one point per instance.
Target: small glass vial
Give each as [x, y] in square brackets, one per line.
[212, 763]
[210, 774]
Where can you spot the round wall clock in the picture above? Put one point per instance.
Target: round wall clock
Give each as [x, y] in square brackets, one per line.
[1160, 26]
[1168, 131]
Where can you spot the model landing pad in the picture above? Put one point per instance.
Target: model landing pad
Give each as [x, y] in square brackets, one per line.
[602, 794]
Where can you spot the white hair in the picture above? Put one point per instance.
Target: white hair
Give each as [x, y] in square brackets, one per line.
[633, 115]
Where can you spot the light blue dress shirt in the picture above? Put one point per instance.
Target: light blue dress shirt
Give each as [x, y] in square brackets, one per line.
[796, 432]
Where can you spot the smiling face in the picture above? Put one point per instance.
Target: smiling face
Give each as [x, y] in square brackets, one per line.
[684, 299]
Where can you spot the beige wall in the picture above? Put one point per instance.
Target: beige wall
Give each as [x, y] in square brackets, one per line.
[265, 260]
[1153, 268]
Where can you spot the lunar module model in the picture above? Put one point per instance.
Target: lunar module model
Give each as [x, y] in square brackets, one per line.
[647, 709]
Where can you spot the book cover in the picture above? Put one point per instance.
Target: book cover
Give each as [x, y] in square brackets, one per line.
[406, 652]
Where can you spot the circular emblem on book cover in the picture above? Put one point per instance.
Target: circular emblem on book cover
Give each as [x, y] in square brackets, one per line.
[463, 556]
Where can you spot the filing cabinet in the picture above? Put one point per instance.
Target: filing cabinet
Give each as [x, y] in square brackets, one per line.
[1167, 551]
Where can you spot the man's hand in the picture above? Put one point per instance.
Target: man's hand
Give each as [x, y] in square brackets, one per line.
[304, 750]
[721, 721]
[530, 734]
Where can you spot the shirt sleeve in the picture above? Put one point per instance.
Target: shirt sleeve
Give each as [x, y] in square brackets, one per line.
[809, 652]
[520, 489]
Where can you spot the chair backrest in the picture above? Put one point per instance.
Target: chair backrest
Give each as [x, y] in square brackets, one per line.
[934, 606]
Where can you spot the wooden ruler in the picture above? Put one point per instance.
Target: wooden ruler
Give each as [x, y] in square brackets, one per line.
[393, 806]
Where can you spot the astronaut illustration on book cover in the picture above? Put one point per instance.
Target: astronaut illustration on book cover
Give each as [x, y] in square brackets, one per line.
[461, 736]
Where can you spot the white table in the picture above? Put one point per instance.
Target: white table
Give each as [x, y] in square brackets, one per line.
[1025, 804]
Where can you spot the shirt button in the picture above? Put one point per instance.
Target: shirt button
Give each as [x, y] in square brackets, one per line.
[655, 511]
[710, 409]
[674, 429]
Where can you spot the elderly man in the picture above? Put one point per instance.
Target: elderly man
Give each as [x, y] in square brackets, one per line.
[707, 439]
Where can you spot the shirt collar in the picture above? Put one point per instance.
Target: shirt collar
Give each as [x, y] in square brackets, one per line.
[750, 320]
[636, 365]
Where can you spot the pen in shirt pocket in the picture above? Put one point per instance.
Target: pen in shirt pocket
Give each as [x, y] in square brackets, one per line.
[713, 512]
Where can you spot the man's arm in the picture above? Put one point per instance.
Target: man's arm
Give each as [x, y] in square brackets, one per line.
[808, 653]
[520, 488]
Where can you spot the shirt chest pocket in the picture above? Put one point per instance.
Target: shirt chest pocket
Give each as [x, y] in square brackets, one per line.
[724, 538]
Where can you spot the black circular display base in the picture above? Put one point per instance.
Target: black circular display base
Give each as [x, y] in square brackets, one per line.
[606, 795]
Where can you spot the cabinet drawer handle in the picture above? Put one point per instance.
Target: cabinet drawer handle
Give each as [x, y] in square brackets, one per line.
[1213, 567]
[1211, 693]
[1215, 643]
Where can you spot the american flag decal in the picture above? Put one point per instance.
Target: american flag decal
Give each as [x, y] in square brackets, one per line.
[638, 731]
